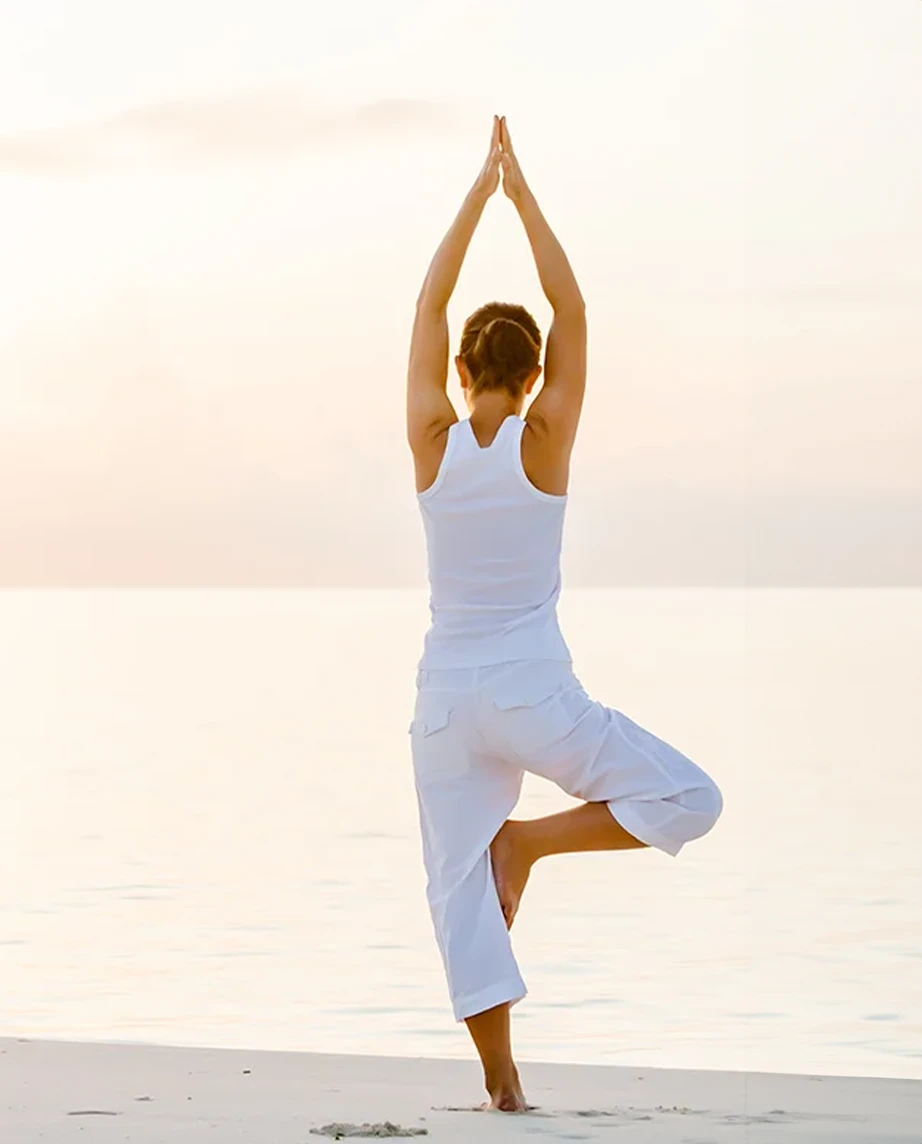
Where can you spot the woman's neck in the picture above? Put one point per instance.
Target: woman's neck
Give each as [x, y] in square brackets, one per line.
[493, 409]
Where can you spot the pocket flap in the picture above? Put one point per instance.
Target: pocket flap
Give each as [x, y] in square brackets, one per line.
[527, 687]
[433, 712]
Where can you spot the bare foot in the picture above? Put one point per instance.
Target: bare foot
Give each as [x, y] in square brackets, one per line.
[512, 862]
[506, 1095]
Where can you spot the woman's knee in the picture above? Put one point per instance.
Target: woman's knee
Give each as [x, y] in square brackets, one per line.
[705, 804]
[702, 807]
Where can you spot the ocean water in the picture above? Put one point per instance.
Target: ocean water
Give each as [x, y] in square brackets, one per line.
[208, 831]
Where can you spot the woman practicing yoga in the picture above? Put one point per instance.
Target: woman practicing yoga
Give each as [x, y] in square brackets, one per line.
[496, 693]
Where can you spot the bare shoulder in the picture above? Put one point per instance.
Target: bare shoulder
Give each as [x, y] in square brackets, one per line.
[546, 448]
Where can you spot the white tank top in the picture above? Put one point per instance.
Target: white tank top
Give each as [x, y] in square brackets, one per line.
[494, 555]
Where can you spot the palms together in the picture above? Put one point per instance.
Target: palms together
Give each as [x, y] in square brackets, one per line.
[501, 156]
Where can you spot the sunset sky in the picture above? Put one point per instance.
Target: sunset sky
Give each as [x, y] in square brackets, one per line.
[216, 218]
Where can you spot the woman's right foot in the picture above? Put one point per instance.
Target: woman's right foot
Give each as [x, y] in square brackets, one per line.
[512, 860]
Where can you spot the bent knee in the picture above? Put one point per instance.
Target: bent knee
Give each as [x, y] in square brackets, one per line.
[704, 806]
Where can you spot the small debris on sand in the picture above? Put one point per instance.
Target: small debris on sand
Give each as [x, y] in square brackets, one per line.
[340, 1131]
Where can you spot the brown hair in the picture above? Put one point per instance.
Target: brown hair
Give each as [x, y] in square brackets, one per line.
[501, 346]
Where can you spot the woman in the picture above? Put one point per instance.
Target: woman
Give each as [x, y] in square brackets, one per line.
[496, 694]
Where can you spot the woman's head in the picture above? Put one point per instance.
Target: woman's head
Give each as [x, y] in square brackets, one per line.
[500, 351]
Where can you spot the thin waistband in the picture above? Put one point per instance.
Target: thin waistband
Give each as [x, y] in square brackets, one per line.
[470, 677]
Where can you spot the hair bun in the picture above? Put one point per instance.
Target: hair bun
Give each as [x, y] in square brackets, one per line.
[503, 345]
[501, 348]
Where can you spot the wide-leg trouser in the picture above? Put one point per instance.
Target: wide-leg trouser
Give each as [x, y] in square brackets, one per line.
[474, 733]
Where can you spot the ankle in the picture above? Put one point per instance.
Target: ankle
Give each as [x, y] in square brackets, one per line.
[530, 840]
[500, 1076]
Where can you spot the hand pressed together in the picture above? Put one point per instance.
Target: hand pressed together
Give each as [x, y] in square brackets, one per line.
[501, 157]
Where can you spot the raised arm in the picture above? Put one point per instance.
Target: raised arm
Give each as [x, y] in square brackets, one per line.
[429, 411]
[557, 406]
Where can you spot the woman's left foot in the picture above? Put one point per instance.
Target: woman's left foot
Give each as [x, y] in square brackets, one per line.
[512, 862]
[506, 1095]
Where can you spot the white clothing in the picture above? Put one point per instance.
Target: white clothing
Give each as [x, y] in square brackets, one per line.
[475, 732]
[496, 696]
[493, 541]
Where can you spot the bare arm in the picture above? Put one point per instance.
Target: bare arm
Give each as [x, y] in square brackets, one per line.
[429, 411]
[557, 407]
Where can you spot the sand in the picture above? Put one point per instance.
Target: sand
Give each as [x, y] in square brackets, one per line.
[55, 1091]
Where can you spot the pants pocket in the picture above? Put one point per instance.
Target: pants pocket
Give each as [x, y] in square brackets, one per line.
[432, 712]
[532, 714]
[438, 753]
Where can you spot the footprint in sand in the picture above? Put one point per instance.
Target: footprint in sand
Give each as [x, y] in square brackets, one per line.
[625, 1114]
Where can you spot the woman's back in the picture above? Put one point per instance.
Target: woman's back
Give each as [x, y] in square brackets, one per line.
[494, 542]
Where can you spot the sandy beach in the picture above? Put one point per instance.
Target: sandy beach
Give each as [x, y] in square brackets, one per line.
[60, 1091]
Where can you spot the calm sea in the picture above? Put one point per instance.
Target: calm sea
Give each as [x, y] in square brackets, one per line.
[208, 831]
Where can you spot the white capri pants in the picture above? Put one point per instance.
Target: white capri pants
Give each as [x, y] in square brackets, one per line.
[474, 733]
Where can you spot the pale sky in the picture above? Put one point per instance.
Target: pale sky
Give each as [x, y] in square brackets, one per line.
[216, 217]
